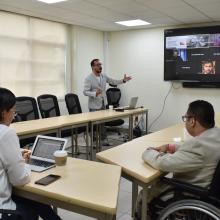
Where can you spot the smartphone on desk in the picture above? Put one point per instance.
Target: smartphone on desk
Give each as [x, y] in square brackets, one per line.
[47, 179]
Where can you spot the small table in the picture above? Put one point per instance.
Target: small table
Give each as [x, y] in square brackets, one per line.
[83, 187]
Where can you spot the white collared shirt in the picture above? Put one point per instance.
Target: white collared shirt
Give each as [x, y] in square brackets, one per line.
[13, 169]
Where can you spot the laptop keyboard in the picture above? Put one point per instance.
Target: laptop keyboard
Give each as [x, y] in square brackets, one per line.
[40, 163]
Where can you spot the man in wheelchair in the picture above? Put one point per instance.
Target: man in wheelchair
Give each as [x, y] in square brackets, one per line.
[194, 191]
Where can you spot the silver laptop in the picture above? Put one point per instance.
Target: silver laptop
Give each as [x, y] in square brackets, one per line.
[132, 104]
[42, 152]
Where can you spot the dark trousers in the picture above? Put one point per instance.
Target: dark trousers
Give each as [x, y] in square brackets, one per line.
[103, 130]
[31, 210]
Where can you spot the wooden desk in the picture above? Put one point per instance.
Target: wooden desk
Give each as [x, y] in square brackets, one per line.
[167, 134]
[81, 189]
[25, 129]
[32, 128]
[57, 124]
[128, 156]
[99, 117]
[173, 131]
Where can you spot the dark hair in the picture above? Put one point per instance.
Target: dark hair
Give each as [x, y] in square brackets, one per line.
[7, 100]
[203, 112]
[206, 62]
[93, 62]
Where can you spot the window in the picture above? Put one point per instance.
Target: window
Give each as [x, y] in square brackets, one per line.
[32, 55]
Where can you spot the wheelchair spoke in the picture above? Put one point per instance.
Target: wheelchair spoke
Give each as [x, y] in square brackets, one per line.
[189, 214]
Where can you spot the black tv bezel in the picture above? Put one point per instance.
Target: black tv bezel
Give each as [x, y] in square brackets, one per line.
[190, 31]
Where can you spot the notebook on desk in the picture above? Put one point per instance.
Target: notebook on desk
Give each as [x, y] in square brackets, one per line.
[132, 104]
[42, 152]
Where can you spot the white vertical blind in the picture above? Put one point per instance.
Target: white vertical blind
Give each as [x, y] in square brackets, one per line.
[32, 55]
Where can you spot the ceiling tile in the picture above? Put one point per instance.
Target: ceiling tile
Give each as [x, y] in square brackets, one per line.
[184, 12]
[160, 4]
[199, 2]
[101, 14]
[163, 21]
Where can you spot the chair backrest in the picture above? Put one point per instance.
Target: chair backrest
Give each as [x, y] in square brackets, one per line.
[214, 189]
[72, 103]
[48, 106]
[113, 96]
[26, 108]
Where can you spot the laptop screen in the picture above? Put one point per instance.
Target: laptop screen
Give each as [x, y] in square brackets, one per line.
[46, 147]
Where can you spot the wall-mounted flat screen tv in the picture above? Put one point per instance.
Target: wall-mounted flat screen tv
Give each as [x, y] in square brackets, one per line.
[192, 54]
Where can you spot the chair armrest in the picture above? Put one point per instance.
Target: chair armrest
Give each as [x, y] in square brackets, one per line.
[185, 186]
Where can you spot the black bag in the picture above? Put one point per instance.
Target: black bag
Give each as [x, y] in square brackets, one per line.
[137, 131]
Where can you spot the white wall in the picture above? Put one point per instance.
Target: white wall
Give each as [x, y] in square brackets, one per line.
[87, 44]
[140, 53]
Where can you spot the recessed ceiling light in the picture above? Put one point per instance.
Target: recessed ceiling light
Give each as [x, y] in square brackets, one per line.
[130, 23]
[51, 1]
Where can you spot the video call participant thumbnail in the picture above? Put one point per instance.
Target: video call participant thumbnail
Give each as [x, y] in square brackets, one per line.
[208, 67]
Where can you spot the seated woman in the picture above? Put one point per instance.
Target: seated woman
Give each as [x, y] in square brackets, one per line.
[13, 169]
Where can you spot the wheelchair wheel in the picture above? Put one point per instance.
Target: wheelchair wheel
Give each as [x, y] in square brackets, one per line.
[190, 209]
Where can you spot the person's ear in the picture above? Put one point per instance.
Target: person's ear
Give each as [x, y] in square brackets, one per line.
[193, 122]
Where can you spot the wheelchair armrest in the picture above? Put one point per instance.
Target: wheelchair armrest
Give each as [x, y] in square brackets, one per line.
[185, 186]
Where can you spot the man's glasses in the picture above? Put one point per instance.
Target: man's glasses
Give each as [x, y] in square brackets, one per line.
[185, 117]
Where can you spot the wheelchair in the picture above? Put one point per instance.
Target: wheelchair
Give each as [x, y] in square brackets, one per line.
[188, 202]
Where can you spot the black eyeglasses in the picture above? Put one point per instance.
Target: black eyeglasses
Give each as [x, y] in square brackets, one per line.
[185, 117]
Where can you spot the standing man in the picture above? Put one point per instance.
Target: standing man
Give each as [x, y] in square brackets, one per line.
[95, 86]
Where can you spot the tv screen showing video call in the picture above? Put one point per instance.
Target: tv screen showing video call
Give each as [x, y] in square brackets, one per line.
[192, 54]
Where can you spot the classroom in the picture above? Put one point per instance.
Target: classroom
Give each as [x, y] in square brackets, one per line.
[109, 109]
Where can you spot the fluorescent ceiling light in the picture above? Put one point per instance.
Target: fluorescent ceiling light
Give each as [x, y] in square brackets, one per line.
[51, 1]
[131, 23]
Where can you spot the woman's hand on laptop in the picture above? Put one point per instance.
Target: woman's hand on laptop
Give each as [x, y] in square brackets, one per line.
[26, 154]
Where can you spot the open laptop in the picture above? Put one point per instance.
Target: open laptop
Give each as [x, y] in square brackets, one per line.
[132, 104]
[42, 152]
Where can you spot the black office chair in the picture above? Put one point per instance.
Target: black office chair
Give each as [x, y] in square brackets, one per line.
[7, 214]
[72, 103]
[189, 201]
[26, 108]
[113, 98]
[74, 107]
[49, 107]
